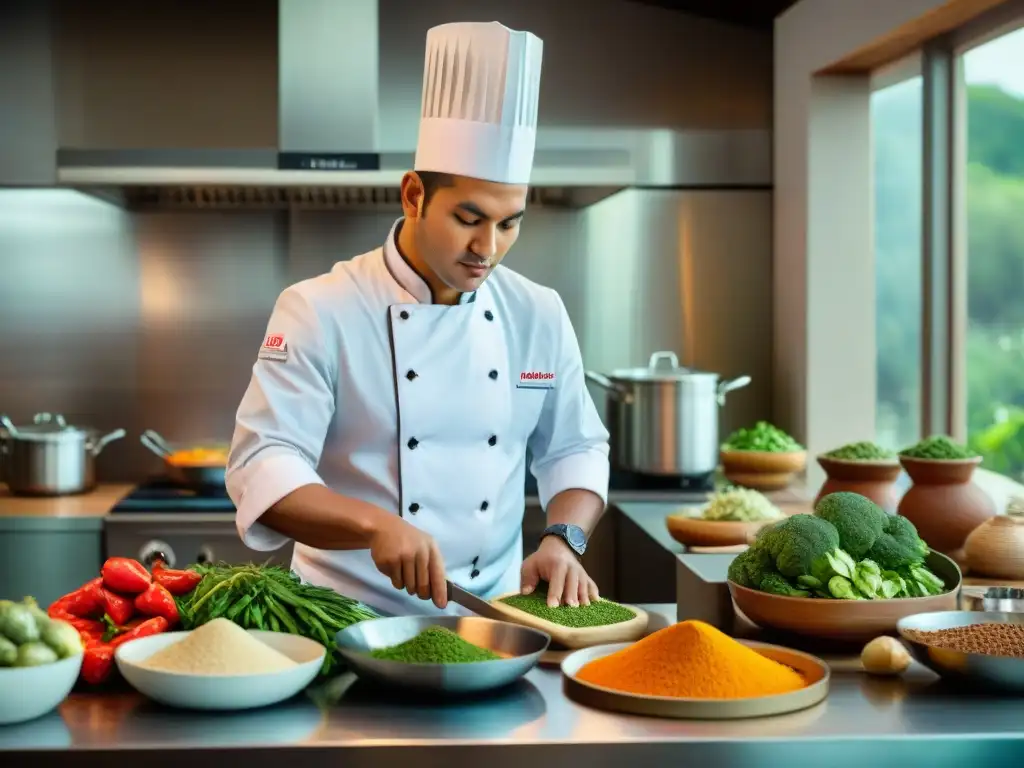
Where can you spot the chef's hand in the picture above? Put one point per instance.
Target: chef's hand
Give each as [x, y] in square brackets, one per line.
[555, 563]
[410, 558]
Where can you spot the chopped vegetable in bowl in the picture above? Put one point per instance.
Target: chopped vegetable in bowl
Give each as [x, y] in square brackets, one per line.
[741, 505]
[761, 437]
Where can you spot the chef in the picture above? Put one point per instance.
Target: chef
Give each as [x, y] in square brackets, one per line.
[386, 424]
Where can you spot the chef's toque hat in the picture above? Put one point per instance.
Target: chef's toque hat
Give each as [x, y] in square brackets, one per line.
[481, 83]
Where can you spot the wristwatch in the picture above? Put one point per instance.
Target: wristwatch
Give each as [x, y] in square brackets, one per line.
[572, 535]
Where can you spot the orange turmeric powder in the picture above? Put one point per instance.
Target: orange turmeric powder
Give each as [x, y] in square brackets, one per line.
[691, 659]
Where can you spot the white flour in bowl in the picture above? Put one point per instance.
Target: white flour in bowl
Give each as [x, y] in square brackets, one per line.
[220, 647]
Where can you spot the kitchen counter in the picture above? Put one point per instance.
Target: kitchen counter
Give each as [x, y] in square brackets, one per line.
[96, 503]
[913, 720]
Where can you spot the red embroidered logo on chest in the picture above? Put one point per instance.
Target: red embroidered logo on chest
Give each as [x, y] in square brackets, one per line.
[536, 380]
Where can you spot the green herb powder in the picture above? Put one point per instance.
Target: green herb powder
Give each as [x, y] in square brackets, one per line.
[599, 613]
[862, 451]
[938, 447]
[435, 645]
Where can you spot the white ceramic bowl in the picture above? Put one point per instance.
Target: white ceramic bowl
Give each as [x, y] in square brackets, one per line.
[30, 692]
[221, 692]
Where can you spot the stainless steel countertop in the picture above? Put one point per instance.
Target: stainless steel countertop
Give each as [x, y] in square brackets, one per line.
[350, 723]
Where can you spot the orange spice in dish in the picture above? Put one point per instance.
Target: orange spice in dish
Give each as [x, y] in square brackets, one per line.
[691, 659]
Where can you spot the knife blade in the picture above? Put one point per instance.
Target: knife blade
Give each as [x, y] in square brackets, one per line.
[477, 605]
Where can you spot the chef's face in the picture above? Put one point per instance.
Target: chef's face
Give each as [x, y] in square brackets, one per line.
[466, 227]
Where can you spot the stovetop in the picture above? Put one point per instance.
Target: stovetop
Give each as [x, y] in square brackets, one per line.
[162, 495]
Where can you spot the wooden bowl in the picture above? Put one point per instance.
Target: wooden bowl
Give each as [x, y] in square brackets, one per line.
[762, 470]
[845, 620]
[698, 532]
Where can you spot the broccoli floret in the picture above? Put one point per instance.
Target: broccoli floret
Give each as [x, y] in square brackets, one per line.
[899, 545]
[748, 568]
[797, 542]
[858, 519]
[777, 585]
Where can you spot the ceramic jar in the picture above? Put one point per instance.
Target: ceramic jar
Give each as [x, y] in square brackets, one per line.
[995, 548]
[875, 480]
[943, 504]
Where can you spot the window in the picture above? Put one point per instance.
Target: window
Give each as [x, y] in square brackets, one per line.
[993, 88]
[896, 114]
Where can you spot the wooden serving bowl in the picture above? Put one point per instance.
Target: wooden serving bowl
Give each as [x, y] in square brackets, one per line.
[845, 620]
[698, 532]
[762, 470]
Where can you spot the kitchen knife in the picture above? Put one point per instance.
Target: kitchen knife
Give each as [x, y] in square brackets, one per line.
[471, 602]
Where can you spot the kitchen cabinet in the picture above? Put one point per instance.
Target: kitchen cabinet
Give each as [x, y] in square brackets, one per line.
[47, 557]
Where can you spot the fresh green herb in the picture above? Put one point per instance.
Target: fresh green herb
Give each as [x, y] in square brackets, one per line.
[938, 447]
[761, 437]
[435, 645]
[864, 450]
[270, 598]
[599, 613]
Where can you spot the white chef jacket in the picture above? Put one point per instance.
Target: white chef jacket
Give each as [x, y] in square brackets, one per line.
[425, 410]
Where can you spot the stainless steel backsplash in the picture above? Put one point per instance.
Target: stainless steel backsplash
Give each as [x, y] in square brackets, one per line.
[152, 320]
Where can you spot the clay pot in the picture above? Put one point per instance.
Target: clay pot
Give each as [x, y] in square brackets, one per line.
[762, 470]
[943, 504]
[996, 547]
[875, 480]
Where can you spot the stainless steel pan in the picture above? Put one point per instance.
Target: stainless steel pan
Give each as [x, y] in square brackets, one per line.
[200, 477]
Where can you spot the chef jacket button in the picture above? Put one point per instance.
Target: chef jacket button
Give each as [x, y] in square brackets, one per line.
[489, 315]
[411, 374]
[492, 440]
[413, 442]
[474, 573]
[414, 508]
[404, 315]
[493, 374]
[484, 506]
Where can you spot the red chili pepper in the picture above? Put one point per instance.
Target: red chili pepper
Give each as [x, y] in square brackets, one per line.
[84, 626]
[157, 601]
[122, 574]
[83, 602]
[97, 663]
[148, 628]
[177, 582]
[118, 608]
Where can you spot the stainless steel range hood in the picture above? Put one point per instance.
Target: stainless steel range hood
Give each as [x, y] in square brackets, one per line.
[329, 151]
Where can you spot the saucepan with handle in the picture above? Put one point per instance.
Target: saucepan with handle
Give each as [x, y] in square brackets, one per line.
[663, 418]
[201, 468]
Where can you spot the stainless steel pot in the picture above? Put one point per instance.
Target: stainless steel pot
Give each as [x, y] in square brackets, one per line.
[50, 457]
[663, 419]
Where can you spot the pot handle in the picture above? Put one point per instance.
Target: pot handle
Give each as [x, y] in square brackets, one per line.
[102, 442]
[8, 425]
[156, 444]
[657, 357]
[729, 385]
[617, 391]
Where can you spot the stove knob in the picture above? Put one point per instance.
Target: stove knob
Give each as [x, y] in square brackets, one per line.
[156, 550]
[205, 556]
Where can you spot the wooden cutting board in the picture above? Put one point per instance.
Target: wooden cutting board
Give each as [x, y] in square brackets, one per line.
[573, 638]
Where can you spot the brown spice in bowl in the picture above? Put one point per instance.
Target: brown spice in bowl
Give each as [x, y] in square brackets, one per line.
[986, 639]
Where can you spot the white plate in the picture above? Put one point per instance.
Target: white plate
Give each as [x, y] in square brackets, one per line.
[30, 692]
[221, 692]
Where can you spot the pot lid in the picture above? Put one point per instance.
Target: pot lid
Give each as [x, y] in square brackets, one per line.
[45, 427]
[663, 366]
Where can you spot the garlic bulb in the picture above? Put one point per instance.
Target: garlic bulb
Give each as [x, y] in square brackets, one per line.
[885, 656]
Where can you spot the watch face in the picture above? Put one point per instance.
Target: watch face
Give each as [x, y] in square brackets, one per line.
[576, 536]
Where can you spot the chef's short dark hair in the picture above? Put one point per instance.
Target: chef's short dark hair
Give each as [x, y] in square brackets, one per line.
[433, 181]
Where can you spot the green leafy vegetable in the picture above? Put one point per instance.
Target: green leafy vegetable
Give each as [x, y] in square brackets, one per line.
[761, 437]
[860, 451]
